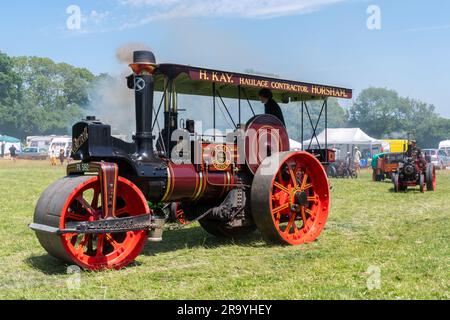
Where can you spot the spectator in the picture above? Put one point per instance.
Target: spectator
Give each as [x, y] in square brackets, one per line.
[2, 147]
[53, 157]
[68, 154]
[62, 156]
[357, 159]
[13, 152]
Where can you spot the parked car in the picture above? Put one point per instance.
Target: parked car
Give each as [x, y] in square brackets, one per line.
[438, 157]
[33, 153]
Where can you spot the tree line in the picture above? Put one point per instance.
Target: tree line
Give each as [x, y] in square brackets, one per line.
[41, 97]
[381, 113]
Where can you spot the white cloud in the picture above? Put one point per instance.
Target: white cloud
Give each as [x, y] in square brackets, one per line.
[133, 13]
[171, 9]
[94, 19]
[98, 17]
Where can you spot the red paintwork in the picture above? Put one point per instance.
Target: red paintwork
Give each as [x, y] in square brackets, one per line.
[209, 181]
[266, 128]
[306, 174]
[189, 184]
[104, 251]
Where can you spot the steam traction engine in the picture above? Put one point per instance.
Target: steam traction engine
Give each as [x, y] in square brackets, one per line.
[414, 170]
[99, 216]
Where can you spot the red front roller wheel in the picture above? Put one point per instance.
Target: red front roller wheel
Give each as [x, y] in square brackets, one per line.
[290, 198]
[76, 199]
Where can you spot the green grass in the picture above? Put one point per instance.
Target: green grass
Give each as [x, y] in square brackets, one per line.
[405, 235]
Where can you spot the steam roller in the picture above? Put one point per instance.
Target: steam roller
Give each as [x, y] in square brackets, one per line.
[118, 195]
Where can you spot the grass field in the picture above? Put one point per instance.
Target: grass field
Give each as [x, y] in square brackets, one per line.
[377, 245]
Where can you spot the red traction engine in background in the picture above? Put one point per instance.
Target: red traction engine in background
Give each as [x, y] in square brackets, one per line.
[414, 170]
[99, 217]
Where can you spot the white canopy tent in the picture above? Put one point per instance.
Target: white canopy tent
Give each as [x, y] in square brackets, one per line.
[9, 142]
[345, 140]
[295, 145]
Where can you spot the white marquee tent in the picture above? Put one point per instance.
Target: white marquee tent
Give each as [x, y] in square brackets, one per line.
[345, 140]
[9, 142]
[295, 145]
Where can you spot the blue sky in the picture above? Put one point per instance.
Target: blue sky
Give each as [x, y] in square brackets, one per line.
[324, 41]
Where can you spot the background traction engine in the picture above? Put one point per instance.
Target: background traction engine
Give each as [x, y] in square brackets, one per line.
[414, 170]
[98, 217]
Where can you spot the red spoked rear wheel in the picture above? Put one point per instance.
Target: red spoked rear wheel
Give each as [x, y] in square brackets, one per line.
[76, 199]
[290, 198]
[422, 183]
[430, 177]
[177, 213]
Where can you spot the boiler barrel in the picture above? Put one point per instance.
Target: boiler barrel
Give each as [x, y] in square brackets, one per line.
[185, 183]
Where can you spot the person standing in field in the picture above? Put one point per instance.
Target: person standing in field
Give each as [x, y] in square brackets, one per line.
[53, 157]
[357, 159]
[2, 147]
[68, 153]
[62, 156]
[13, 152]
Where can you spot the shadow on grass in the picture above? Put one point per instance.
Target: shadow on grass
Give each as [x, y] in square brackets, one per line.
[173, 240]
[47, 264]
[409, 190]
[196, 237]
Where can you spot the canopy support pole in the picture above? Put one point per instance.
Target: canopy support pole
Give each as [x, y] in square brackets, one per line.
[163, 99]
[239, 105]
[168, 116]
[302, 134]
[214, 110]
[248, 100]
[326, 128]
[226, 109]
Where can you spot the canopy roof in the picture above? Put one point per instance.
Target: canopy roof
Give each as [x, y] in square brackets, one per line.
[199, 81]
[8, 139]
[353, 136]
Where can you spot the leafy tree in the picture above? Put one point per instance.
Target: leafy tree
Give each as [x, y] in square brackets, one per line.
[39, 96]
[9, 81]
[50, 84]
[382, 113]
[376, 111]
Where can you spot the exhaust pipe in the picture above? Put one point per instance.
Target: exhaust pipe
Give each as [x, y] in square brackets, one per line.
[142, 81]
